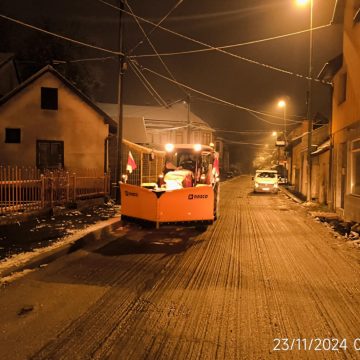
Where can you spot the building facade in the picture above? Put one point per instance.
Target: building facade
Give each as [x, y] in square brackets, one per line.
[345, 130]
[46, 122]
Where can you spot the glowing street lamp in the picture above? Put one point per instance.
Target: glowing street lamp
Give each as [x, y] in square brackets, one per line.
[309, 118]
[282, 104]
[302, 2]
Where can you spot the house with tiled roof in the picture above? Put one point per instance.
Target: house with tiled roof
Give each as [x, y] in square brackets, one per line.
[48, 123]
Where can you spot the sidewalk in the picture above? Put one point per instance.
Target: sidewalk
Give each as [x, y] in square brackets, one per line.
[30, 242]
[349, 230]
[291, 195]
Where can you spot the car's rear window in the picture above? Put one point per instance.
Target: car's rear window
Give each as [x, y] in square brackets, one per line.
[266, 175]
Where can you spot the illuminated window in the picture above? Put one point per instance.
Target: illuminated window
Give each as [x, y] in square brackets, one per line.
[12, 136]
[49, 98]
[355, 167]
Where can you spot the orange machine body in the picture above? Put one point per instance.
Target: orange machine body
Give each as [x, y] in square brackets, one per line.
[192, 204]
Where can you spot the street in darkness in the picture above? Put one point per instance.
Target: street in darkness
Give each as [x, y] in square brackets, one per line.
[265, 281]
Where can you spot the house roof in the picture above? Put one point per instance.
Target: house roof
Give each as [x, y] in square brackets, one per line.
[133, 128]
[161, 117]
[322, 148]
[331, 68]
[31, 79]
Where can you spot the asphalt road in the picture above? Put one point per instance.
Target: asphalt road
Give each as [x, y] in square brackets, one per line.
[265, 271]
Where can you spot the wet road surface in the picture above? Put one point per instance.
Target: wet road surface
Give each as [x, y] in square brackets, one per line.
[265, 270]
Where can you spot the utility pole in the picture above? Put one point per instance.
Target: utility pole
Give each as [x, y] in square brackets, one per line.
[188, 120]
[309, 116]
[119, 133]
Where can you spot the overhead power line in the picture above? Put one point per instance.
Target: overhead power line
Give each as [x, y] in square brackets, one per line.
[245, 132]
[221, 103]
[245, 143]
[270, 67]
[85, 59]
[147, 84]
[157, 25]
[59, 36]
[214, 97]
[152, 45]
[287, 120]
[195, 51]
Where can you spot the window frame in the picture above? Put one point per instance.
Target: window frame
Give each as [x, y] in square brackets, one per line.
[6, 141]
[354, 150]
[46, 100]
[38, 142]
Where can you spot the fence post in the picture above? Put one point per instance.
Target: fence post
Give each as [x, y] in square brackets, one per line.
[74, 189]
[67, 187]
[51, 179]
[141, 167]
[42, 190]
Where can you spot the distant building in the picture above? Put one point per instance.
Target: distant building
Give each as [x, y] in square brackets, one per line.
[47, 122]
[297, 161]
[171, 125]
[222, 148]
[344, 72]
[157, 126]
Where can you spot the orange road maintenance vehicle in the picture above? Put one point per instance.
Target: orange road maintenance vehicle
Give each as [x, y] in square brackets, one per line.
[187, 192]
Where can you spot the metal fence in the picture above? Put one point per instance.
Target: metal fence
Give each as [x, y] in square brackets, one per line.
[149, 162]
[20, 189]
[23, 189]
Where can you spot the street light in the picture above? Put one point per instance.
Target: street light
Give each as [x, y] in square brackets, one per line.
[282, 104]
[302, 2]
[309, 88]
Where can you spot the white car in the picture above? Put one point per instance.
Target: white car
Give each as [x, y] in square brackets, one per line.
[266, 181]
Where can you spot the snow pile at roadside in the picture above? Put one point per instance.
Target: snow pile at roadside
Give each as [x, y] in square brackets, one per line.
[20, 259]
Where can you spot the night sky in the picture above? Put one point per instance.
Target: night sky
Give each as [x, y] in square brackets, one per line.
[216, 23]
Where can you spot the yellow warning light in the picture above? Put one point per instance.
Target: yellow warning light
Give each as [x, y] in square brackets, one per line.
[197, 147]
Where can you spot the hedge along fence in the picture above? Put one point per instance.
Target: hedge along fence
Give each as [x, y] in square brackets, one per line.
[149, 162]
[23, 189]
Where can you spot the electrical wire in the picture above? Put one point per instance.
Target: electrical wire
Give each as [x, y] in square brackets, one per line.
[157, 25]
[270, 67]
[153, 47]
[147, 84]
[220, 103]
[60, 36]
[85, 59]
[244, 132]
[287, 120]
[234, 45]
[218, 99]
[245, 143]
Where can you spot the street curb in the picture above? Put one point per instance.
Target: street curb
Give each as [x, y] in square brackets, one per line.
[290, 195]
[73, 243]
